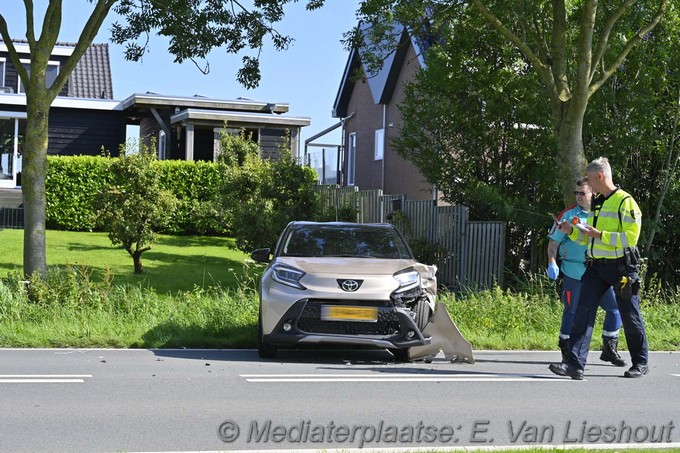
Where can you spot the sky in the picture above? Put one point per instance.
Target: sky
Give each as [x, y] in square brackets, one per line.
[306, 76]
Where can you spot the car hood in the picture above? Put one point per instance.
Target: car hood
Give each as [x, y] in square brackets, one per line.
[347, 266]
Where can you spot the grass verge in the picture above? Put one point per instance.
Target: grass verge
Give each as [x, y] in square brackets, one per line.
[198, 293]
[174, 263]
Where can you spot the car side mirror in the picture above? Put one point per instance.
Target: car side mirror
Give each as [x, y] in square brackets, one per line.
[261, 255]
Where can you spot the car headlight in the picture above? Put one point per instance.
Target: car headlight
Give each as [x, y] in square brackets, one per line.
[408, 279]
[288, 276]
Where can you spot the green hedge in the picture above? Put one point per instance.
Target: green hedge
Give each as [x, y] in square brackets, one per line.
[197, 188]
[74, 182]
[72, 185]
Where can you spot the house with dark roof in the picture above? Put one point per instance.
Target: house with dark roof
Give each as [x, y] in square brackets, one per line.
[85, 118]
[368, 107]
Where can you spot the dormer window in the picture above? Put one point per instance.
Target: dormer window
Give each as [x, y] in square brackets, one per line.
[50, 76]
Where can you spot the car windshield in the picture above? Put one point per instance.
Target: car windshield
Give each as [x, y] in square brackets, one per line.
[360, 241]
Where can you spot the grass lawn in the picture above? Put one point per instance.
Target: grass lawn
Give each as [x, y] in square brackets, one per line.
[197, 292]
[174, 263]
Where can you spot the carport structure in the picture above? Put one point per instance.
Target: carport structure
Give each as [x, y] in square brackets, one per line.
[189, 128]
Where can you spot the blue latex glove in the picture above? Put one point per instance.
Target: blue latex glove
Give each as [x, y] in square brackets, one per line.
[553, 270]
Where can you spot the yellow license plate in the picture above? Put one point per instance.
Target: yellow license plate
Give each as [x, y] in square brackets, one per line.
[349, 313]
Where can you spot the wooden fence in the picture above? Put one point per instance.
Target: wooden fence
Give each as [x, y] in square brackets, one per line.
[475, 250]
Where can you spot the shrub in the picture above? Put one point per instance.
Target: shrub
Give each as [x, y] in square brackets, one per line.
[72, 185]
[135, 206]
[261, 197]
[196, 185]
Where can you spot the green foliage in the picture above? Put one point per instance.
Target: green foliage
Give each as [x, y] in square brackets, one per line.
[74, 310]
[72, 185]
[635, 122]
[135, 206]
[427, 252]
[401, 221]
[74, 182]
[343, 213]
[235, 149]
[261, 197]
[466, 131]
[232, 28]
[70, 285]
[196, 186]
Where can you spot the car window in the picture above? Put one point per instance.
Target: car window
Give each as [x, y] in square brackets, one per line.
[359, 242]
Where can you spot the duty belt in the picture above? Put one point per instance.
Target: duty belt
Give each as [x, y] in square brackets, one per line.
[600, 261]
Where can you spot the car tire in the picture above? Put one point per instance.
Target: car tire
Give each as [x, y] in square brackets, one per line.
[423, 313]
[265, 350]
[401, 354]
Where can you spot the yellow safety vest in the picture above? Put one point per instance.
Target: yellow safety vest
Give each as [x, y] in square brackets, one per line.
[619, 219]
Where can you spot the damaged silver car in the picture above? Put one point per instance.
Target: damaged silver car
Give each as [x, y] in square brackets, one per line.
[345, 284]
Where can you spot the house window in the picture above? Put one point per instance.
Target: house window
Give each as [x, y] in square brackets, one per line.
[379, 144]
[351, 157]
[2, 72]
[162, 142]
[51, 73]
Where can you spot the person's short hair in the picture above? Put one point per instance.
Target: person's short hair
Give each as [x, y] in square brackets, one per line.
[583, 182]
[601, 164]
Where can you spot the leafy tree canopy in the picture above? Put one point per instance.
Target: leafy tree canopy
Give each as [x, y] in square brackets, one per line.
[572, 47]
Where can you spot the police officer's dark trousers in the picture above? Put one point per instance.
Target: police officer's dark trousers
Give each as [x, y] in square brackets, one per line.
[598, 278]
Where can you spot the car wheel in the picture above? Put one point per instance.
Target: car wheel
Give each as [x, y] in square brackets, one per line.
[265, 350]
[401, 355]
[423, 313]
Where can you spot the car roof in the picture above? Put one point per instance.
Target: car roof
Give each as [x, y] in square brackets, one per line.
[342, 224]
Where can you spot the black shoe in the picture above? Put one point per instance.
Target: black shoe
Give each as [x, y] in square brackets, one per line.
[564, 346]
[610, 354]
[564, 369]
[636, 371]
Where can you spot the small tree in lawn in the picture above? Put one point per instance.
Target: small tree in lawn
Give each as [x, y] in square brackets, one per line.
[135, 205]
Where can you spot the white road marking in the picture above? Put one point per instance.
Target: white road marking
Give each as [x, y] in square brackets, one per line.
[400, 377]
[43, 378]
[41, 381]
[461, 448]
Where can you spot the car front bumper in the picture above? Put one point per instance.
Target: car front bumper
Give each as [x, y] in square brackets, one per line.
[394, 328]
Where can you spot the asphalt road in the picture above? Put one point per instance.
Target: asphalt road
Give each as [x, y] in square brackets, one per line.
[197, 400]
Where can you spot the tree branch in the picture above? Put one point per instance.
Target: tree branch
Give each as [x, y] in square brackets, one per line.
[50, 31]
[13, 55]
[30, 26]
[585, 49]
[632, 42]
[559, 46]
[539, 66]
[543, 49]
[606, 31]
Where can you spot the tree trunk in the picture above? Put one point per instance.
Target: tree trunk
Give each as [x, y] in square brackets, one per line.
[571, 156]
[33, 177]
[137, 259]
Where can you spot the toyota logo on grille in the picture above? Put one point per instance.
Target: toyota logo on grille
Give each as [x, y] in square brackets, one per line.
[350, 285]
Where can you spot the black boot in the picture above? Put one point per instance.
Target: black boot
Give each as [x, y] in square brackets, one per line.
[609, 352]
[564, 346]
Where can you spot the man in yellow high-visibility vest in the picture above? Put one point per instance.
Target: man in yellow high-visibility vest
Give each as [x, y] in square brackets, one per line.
[612, 260]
